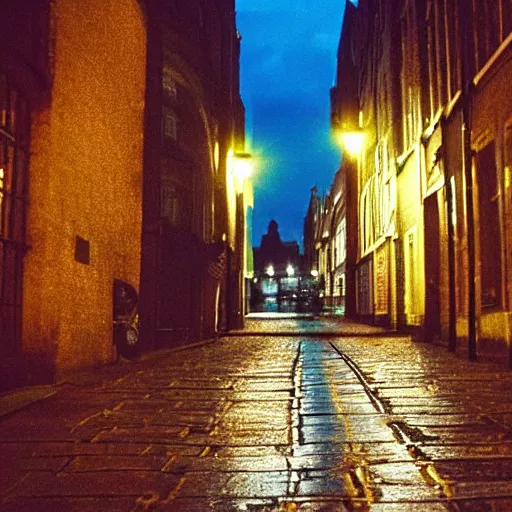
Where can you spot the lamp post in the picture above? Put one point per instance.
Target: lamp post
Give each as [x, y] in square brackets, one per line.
[465, 35]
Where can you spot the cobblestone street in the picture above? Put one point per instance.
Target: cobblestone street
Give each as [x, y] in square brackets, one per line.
[302, 420]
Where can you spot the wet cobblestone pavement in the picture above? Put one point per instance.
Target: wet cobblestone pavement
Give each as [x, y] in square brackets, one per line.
[294, 421]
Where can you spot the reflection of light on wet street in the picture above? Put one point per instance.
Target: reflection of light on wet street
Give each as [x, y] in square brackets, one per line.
[274, 315]
[282, 419]
[338, 419]
[326, 432]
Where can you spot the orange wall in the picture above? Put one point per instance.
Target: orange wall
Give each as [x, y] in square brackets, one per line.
[85, 179]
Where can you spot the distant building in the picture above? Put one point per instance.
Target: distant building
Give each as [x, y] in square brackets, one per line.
[277, 267]
[273, 251]
[312, 222]
[195, 124]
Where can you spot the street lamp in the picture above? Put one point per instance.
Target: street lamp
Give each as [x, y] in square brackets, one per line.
[352, 141]
[290, 271]
[270, 271]
[242, 169]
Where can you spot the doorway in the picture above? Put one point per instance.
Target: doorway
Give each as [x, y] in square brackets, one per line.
[432, 324]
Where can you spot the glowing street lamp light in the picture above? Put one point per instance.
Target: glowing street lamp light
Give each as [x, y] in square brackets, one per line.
[352, 142]
[314, 273]
[290, 271]
[242, 169]
[243, 166]
[270, 270]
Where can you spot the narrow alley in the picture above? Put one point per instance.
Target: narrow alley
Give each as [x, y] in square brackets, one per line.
[290, 414]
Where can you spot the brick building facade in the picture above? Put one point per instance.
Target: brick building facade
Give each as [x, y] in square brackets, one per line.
[432, 175]
[116, 126]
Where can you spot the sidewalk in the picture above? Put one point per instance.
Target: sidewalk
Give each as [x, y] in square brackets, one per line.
[310, 423]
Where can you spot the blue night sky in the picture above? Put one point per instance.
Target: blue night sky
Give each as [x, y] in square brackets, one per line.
[288, 65]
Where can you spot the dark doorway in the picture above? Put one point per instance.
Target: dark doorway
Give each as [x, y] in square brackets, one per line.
[432, 262]
[177, 264]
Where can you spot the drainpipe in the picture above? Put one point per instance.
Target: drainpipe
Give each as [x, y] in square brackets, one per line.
[464, 35]
[452, 314]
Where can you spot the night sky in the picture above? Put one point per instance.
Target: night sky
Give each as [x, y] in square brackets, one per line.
[288, 65]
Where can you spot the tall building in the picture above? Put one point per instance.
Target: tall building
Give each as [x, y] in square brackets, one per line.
[72, 85]
[432, 175]
[194, 127]
[119, 131]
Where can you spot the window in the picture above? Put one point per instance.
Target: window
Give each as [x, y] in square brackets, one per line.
[169, 85]
[489, 228]
[432, 60]
[487, 17]
[441, 50]
[174, 207]
[410, 273]
[170, 121]
[494, 26]
[407, 78]
[14, 139]
[506, 17]
[453, 47]
[341, 243]
[454, 203]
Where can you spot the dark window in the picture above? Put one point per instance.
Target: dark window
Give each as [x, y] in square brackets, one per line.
[432, 61]
[453, 47]
[14, 137]
[82, 251]
[441, 48]
[494, 26]
[487, 29]
[507, 18]
[175, 204]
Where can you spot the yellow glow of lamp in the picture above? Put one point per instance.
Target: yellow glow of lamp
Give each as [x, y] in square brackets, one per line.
[290, 270]
[314, 273]
[242, 169]
[243, 165]
[353, 142]
[270, 271]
